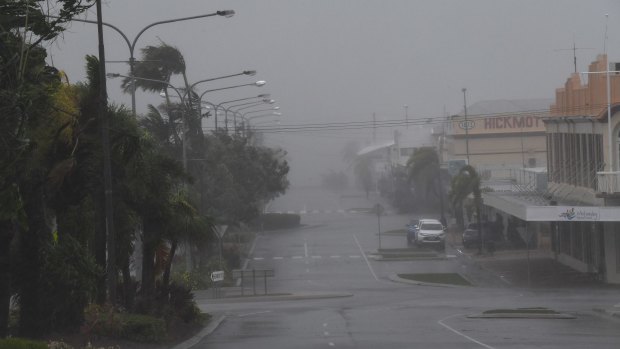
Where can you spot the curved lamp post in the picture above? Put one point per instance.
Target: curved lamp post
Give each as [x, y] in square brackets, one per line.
[248, 105]
[259, 83]
[246, 120]
[132, 44]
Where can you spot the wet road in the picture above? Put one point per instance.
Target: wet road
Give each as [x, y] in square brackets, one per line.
[332, 253]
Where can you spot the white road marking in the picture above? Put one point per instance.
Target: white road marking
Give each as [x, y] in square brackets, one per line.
[325, 324]
[331, 344]
[290, 212]
[255, 313]
[366, 259]
[354, 256]
[305, 248]
[461, 334]
[335, 256]
[450, 256]
[325, 333]
[317, 257]
[277, 258]
[503, 278]
[258, 258]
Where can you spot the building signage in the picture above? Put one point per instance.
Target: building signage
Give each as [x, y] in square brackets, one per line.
[581, 214]
[499, 124]
[467, 125]
[512, 122]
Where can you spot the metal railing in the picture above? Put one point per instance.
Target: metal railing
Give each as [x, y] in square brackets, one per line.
[608, 182]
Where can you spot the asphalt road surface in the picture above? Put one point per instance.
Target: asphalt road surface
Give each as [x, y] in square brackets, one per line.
[332, 255]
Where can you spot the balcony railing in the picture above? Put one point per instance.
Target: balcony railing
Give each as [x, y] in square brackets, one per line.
[608, 182]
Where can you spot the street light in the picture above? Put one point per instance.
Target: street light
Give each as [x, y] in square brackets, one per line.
[248, 105]
[132, 44]
[246, 120]
[259, 83]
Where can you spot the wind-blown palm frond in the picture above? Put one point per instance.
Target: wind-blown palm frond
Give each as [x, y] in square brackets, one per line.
[158, 63]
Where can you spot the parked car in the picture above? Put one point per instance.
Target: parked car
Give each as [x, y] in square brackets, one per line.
[471, 238]
[427, 232]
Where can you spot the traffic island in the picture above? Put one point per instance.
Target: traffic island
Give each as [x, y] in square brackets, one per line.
[433, 279]
[399, 254]
[522, 313]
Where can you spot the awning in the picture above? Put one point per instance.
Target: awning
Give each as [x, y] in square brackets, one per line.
[534, 213]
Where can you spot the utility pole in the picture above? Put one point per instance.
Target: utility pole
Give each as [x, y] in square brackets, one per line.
[406, 116]
[466, 123]
[374, 128]
[111, 270]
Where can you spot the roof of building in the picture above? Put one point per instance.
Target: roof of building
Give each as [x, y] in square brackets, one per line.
[507, 106]
[374, 147]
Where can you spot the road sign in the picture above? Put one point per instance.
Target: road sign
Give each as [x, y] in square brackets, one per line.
[217, 276]
[379, 209]
[220, 230]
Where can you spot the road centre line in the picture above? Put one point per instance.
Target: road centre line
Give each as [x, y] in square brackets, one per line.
[255, 313]
[305, 248]
[366, 259]
[441, 322]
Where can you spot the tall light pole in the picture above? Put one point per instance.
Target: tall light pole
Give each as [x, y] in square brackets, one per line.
[466, 124]
[259, 83]
[246, 120]
[111, 269]
[249, 105]
[132, 44]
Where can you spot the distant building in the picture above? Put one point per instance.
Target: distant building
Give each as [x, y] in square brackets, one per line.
[500, 133]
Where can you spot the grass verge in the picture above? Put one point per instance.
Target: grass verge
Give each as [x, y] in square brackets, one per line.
[437, 278]
[538, 310]
[397, 232]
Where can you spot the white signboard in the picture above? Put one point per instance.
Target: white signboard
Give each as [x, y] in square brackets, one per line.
[217, 276]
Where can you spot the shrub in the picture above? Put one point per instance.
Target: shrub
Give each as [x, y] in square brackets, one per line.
[142, 328]
[20, 343]
[68, 280]
[107, 321]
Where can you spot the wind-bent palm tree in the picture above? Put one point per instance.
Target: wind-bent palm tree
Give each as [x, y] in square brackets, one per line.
[466, 182]
[423, 168]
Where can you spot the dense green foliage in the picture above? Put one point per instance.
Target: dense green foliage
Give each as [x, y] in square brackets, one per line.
[21, 343]
[52, 222]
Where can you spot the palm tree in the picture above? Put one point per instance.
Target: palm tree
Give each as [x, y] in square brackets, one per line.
[157, 63]
[423, 168]
[466, 182]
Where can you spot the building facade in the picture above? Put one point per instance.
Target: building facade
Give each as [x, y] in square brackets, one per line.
[504, 133]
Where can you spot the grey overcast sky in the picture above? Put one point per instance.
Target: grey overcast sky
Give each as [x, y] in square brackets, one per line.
[341, 60]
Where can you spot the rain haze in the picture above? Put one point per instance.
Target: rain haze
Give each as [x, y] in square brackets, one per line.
[386, 174]
[342, 61]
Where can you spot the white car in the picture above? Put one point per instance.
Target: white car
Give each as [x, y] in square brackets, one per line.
[430, 232]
